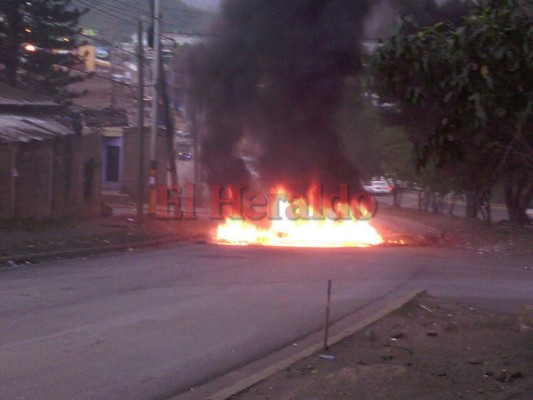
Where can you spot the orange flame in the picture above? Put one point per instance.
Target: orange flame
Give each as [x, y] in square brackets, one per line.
[286, 232]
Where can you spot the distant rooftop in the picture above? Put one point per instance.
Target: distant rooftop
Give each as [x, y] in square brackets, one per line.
[184, 39]
[13, 96]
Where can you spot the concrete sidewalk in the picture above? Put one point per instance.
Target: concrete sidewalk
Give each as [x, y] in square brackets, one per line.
[33, 241]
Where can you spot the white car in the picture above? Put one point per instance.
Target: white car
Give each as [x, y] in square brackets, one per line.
[118, 77]
[378, 187]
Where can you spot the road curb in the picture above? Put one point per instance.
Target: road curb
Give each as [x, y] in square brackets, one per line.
[34, 257]
[257, 377]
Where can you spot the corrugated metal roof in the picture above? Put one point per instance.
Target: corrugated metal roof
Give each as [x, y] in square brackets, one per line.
[22, 128]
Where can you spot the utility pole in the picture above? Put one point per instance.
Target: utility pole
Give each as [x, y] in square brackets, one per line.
[112, 72]
[113, 83]
[140, 84]
[193, 111]
[155, 106]
[194, 129]
[168, 115]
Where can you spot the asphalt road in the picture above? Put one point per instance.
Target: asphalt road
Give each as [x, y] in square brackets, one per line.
[152, 324]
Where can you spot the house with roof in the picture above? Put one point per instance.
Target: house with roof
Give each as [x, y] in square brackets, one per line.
[49, 166]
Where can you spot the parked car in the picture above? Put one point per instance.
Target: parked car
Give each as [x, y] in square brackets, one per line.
[102, 53]
[183, 134]
[529, 212]
[118, 77]
[378, 187]
[184, 155]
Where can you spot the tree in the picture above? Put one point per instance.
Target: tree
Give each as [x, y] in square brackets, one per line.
[386, 14]
[358, 125]
[471, 89]
[10, 29]
[39, 42]
[397, 159]
[428, 12]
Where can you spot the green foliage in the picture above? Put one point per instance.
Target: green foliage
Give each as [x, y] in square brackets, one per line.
[428, 12]
[371, 146]
[358, 125]
[386, 14]
[396, 153]
[478, 77]
[472, 87]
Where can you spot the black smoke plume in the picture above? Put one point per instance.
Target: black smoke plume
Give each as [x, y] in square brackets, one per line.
[273, 74]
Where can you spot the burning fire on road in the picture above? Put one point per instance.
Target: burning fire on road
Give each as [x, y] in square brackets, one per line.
[299, 234]
[312, 220]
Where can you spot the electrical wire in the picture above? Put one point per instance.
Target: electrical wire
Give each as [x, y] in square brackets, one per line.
[103, 11]
[128, 7]
[92, 74]
[107, 43]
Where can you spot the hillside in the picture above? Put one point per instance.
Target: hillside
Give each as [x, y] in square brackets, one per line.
[211, 5]
[117, 19]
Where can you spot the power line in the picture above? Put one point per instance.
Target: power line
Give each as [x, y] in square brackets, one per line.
[144, 11]
[107, 43]
[121, 10]
[92, 74]
[104, 12]
[117, 37]
[128, 6]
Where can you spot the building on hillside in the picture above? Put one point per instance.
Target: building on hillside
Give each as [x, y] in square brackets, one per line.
[120, 159]
[49, 167]
[170, 39]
